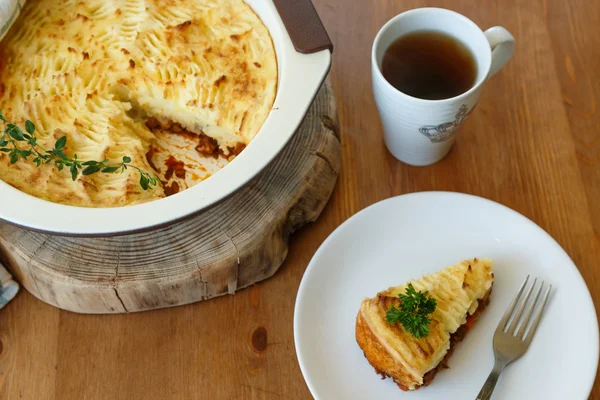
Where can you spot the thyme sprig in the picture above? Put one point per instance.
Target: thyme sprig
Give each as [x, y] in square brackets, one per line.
[23, 145]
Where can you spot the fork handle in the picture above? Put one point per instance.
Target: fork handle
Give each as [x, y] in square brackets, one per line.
[488, 387]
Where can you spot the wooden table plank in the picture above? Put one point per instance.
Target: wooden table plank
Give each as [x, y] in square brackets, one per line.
[577, 64]
[29, 340]
[532, 145]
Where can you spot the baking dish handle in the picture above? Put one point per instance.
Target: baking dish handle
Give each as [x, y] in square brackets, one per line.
[303, 25]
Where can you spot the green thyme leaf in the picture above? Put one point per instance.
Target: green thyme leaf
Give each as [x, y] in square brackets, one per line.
[60, 143]
[110, 170]
[144, 182]
[74, 172]
[126, 160]
[92, 169]
[59, 153]
[29, 127]
[15, 132]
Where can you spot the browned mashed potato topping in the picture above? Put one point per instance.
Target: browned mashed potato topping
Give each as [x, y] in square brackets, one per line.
[180, 86]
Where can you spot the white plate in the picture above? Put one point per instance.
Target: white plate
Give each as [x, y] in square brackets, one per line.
[405, 237]
[300, 77]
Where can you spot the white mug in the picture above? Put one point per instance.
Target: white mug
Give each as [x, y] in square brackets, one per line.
[418, 131]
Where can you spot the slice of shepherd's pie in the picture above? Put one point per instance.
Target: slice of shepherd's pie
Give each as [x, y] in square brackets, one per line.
[409, 332]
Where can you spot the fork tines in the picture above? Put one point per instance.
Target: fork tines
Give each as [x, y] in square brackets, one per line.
[523, 316]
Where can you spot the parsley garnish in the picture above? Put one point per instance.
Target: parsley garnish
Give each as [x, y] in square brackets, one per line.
[12, 137]
[414, 311]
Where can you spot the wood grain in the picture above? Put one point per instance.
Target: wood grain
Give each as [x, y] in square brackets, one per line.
[530, 145]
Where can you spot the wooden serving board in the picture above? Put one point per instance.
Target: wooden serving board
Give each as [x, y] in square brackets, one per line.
[241, 241]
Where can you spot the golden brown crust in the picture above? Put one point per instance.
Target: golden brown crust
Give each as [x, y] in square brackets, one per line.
[379, 357]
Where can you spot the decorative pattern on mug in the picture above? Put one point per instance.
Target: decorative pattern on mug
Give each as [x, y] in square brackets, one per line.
[442, 132]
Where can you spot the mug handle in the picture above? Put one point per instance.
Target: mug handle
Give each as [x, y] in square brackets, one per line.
[503, 47]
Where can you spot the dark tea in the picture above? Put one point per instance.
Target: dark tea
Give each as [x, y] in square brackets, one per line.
[429, 65]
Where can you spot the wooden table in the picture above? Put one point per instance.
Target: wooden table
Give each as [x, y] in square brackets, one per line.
[533, 144]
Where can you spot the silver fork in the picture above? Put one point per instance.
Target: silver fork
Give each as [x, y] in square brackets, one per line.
[512, 336]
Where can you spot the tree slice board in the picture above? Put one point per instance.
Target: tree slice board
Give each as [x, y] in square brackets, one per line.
[238, 242]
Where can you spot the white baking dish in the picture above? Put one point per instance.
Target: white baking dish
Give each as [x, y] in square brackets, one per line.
[300, 77]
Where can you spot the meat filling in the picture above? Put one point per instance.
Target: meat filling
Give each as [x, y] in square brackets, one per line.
[456, 338]
[207, 146]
